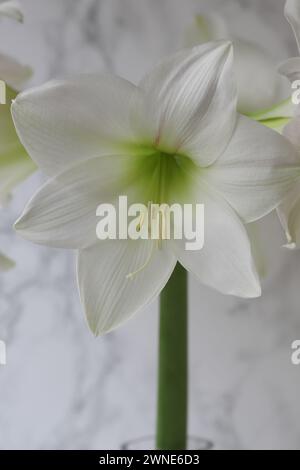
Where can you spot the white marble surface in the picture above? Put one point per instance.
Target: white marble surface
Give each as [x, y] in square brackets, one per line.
[63, 389]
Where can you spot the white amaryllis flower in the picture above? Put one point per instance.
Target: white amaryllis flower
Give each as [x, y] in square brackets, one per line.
[289, 210]
[266, 87]
[11, 9]
[175, 137]
[15, 165]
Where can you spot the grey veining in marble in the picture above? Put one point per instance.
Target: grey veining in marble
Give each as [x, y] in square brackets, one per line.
[63, 389]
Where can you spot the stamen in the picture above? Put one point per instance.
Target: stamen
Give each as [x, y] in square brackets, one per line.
[141, 222]
[134, 273]
[158, 218]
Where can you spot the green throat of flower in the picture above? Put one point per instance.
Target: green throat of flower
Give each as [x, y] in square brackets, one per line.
[163, 177]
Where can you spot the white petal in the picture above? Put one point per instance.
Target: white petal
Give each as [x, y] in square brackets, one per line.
[13, 73]
[12, 9]
[276, 117]
[290, 69]
[292, 13]
[289, 210]
[292, 132]
[282, 110]
[257, 170]
[225, 263]
[64, 122]
[258, 249]
[289, 216]
[190, 103]
[110, 298]
[266, 86]
[6, 263]
[63, 212]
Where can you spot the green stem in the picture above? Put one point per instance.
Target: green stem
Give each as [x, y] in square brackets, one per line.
[173, 359]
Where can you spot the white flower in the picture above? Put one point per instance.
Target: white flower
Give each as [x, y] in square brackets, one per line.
[175, 137]
[15, 165]
[289, 210]
[11, 9]
[256, 90]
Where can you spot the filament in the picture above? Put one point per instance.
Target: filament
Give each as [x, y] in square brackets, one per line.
[141, 268]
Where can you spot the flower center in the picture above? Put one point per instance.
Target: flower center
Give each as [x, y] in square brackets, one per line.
[163, 179]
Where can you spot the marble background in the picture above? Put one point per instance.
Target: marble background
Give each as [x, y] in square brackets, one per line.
[63, 389]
